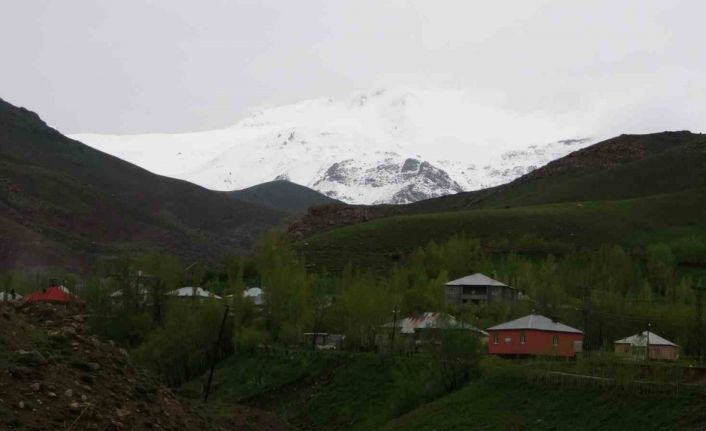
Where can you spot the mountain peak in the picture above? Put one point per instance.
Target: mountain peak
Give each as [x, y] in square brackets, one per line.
[384, 146]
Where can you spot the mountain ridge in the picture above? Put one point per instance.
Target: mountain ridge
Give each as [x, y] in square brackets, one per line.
[63, 203]
[395, 146]
[624, 167]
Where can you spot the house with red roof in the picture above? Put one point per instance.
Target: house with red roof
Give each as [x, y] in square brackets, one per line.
[55, 294]
[534, 335]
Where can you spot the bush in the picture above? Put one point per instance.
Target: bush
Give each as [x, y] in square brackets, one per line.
[184, 347]
[456, 355]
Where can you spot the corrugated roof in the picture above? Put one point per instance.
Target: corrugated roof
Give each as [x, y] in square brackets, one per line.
[640, 340]
[537, 322]
[191, 291]
[431, 320]
[476, 279]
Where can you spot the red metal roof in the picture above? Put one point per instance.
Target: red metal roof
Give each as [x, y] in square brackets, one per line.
[50, 294]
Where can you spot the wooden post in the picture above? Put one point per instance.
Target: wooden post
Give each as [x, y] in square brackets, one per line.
[394, 329]
[700, 288]
[215, 354]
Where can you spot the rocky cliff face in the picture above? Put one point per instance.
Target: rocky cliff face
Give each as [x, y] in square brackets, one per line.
[394, 180]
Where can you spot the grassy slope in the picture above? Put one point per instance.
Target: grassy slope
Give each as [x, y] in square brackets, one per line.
[624, 167]
[494, 405]
[368, 392]
[316, 392]
[631, 222]
[73, 202]
[282, 195]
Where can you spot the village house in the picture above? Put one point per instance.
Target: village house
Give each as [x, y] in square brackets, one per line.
[478, 289]
[534, 335]
[414, 331]
[56, 294]
[635, 347]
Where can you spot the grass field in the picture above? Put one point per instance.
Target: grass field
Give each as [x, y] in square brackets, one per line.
[378, 244]
[491, 404]
[320, 391]
[367, 392]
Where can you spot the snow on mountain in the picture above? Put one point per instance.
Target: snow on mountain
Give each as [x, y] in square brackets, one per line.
[393, 146]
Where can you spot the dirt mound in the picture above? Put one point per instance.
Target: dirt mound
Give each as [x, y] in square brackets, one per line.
[55, 376]
[324, 217]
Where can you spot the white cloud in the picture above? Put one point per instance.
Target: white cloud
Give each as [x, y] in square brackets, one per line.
[138, 66]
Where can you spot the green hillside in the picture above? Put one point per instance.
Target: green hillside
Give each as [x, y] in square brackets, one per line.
[282, 195]
[630, 190]
[624, 167]
[63, 203]
[332, 391]
[511, 405]
[380, 243]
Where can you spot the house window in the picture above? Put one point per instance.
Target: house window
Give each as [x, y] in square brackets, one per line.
[496, 339]
[523, 337]
[555, 340]
[508, 340]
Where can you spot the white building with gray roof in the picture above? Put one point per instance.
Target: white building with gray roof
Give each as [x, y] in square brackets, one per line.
[478, 289]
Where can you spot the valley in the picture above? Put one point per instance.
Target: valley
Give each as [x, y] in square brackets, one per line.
[609, 239]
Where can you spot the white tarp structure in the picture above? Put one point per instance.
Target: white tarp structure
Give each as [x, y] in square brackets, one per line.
[7, 296]
[255, 294]
[185, 292]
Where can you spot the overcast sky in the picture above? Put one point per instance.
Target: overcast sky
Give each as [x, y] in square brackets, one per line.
[133, 66]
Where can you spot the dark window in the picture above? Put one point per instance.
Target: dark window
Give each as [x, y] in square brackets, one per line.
[555, 340]
[523, 337]
[496, 340]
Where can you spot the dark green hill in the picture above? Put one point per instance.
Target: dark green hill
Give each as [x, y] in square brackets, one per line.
[627, 166]
[62, 203]
[551, 228]
[283, 195]
[630, 190]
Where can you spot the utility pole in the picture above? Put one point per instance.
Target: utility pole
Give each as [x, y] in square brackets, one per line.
[699, 289]
[586, 317]
[215, 354]
[647, 352]
[394, 330]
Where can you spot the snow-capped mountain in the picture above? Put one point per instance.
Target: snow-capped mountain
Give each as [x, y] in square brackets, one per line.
[392, 146]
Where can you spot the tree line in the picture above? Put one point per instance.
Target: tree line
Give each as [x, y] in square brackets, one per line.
[610, 292]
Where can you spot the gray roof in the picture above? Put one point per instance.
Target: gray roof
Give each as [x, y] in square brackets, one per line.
[537, 322]
[192, 291]
[640, 340]
[431, 320]
[476, 279]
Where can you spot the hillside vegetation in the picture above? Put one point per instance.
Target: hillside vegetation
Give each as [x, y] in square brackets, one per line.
[540, 229]
[330, 391]
[63, 203]
[627, 166]
[630, 190]
[283, 196]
